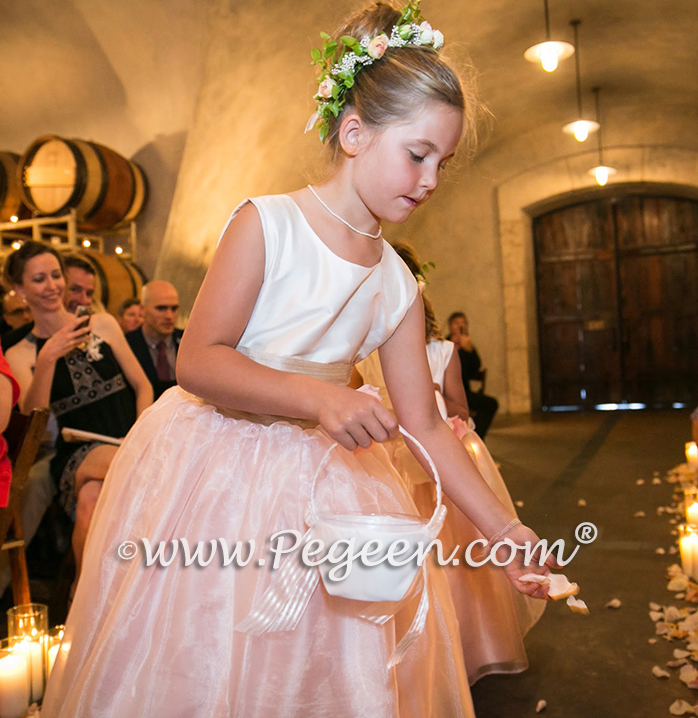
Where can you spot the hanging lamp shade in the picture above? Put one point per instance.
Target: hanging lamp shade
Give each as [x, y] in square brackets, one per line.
[580, 129]
[602, 171]
[550, 52]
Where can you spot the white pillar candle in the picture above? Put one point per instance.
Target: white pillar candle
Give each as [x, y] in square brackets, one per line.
[34, 652]
[14, 685]
[692, 453]
[52, 653]
[688, 546]
[692, 513]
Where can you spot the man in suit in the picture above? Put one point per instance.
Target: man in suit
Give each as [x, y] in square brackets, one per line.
[156, 342]
[482, 407]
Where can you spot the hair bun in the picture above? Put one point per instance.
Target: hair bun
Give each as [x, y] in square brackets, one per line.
[373, 20]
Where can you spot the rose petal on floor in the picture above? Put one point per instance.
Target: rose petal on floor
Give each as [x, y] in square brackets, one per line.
[614, 603]
[660, 672]
[541, 706]
[681, 707]
[577, 605]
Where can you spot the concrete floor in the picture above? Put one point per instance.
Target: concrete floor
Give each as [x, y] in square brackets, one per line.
[598, 666]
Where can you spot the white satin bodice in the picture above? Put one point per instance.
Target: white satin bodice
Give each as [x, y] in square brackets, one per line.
[313, 304]
[439, 353]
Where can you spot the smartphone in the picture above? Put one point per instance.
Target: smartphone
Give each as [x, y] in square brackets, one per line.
[83, 311]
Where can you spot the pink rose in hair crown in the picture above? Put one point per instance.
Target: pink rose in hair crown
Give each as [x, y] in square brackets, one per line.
[377, 47]
[325, 88]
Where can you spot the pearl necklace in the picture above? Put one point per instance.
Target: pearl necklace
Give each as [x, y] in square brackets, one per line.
[344, 221]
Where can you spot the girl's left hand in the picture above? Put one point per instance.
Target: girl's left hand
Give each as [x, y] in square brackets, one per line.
[523, 536]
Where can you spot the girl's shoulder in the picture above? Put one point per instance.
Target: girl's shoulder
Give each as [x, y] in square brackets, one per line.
[273, 210]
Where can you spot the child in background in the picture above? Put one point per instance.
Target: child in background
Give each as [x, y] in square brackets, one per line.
[493, 617]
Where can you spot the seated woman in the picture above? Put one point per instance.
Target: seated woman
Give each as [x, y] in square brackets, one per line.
[83, 369]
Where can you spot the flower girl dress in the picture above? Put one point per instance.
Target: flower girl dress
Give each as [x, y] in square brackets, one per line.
[161, 642]
[493, 616]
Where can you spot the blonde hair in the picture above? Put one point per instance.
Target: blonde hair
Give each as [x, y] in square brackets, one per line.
[404, 79]
[406, 252]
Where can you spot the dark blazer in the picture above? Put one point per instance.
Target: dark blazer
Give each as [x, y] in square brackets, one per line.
[140, 348]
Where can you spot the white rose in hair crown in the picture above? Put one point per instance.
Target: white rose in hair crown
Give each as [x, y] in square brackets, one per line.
[340, 61]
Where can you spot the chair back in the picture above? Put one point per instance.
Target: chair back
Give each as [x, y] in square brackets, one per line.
[23, 435]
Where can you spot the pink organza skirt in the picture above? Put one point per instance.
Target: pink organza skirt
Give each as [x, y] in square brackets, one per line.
[159, 641]
[493, 616]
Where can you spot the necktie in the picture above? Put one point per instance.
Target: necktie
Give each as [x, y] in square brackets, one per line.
[163, 366]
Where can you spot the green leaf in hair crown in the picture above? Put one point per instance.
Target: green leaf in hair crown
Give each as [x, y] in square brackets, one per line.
[340, 60]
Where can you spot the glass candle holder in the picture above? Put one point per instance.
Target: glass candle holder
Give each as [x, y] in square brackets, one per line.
[15, 680]
[692, 453]
[27, 625]
[688, 547]
[55, 637]
[690, 500]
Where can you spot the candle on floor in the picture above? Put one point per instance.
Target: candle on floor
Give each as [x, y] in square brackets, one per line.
[14, 681]
[690, 499]
[27, 625]
[688, 547]
[55, 636]
[692, 453]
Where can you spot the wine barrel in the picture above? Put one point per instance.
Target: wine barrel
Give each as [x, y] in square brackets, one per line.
[140, 196]
[11, 204]
[116, 278]
[58, 174]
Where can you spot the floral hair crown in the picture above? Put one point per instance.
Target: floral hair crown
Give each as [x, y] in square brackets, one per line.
[341, 59]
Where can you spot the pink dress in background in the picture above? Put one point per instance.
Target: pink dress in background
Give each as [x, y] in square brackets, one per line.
[493, 616]
[160, 642]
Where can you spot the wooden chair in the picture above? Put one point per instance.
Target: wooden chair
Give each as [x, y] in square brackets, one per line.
[23, 436]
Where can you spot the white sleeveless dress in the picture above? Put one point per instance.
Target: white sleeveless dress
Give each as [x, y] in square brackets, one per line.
[493, 616]
[160, 642]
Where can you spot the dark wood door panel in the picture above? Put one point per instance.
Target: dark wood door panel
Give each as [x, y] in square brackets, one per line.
[617, 285]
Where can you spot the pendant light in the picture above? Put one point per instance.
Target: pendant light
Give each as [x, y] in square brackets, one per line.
[580, 128]
[550, 52]
[601, 172]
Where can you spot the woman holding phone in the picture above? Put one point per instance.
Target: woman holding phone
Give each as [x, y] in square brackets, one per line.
[80, 367]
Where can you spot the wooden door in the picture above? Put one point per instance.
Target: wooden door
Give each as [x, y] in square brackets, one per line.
[658, 261]
[618, 302]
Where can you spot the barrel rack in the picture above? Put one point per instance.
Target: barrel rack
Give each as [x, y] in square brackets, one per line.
[63, 232]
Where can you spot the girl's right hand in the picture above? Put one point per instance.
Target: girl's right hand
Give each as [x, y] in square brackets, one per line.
[65, 340]
[355, 419]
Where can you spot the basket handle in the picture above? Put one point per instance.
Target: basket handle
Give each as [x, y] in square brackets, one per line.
[437, 511]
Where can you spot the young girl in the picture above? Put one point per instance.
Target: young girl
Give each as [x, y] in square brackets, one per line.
[493, 617]
[232, 451]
